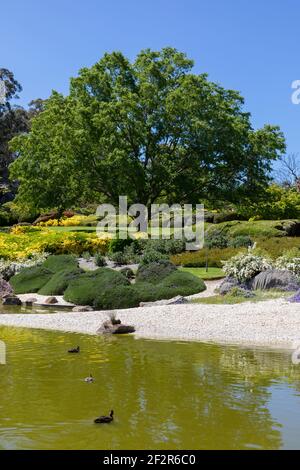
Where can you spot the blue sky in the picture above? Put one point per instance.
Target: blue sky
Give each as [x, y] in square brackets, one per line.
[251, 46]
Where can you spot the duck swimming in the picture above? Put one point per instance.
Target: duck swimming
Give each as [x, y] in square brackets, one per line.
[89, 379]
[74, 350]
[105, 419]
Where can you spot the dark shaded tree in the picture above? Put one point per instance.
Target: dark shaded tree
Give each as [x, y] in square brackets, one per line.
[14, 120]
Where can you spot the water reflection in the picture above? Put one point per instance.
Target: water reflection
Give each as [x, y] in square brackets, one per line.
[166, 395]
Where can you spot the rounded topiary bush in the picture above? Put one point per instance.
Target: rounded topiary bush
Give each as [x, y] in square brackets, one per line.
[88, 286]
[155, 272]
[49, 278]
[117, 298]
[60, 281]
[57, 263]
[151, 256]
[177, 283]
[30, 279]
[181, 283]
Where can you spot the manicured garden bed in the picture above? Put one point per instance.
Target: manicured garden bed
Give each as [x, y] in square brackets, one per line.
[105, 288]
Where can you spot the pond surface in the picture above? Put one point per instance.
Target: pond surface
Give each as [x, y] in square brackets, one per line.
[166, 395]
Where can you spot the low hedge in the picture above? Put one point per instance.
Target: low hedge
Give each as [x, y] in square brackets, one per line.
[59, 282]
[155, 272]
[30, 279]
[60, 262]
[117, 298]
[51, 278]
[274, 247]
[88, 286]
[108, 289]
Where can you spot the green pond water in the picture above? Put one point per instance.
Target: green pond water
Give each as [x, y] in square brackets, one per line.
[166, 395]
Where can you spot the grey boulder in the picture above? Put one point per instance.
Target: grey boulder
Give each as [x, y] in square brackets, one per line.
[275, 279]
[12, 300]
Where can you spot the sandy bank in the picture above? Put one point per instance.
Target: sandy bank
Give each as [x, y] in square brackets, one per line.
[274, 323]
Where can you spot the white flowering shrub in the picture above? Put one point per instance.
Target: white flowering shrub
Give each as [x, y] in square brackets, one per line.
[245, 266]
[10, 268]
[290, 264]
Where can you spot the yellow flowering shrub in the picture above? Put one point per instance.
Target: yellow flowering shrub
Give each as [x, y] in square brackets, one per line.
[21, 245]
[75, 221]
[50, 223]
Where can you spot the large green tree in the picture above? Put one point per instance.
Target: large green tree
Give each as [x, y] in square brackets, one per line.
[152, 130]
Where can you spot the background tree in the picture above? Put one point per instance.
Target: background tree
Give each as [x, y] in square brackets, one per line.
[13, 120]
[289, 171]
[150, 129]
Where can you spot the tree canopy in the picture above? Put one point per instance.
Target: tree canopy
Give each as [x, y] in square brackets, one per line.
[151, 129]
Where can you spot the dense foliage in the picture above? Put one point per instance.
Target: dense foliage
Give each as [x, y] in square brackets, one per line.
[244, 267]
[49, 278]
[151, 130]
[25, 242]
[279, 203]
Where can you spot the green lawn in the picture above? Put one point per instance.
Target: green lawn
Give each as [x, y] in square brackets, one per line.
[230, 300]
[212, 273]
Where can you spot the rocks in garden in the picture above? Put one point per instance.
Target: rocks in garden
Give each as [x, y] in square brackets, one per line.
[240, 292]
[174, 301]
[12, 300]
[29, 302]
[115, 327]
[227, 285]
[5, 288]
[83, 308]
[274, 279]
[292, 228]
[123, 329]
[51, 301]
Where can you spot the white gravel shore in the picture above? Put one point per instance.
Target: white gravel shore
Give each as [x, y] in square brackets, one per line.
[274, 323]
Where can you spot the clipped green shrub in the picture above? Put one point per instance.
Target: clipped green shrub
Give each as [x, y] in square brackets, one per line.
[60, 281]
[147, 292]
[152, 256]
[177, 283]
[119, 297]
[57, 263]
[154, 272]
[182, 283]
[30, 279]
[88, 286]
